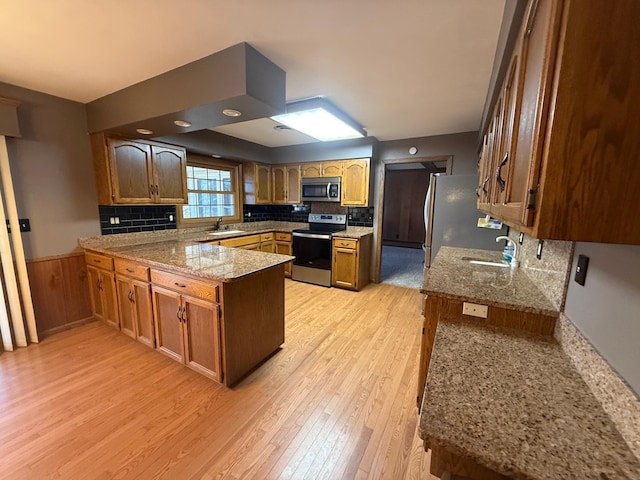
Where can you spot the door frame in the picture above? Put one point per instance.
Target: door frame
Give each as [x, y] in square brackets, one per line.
[381, 168]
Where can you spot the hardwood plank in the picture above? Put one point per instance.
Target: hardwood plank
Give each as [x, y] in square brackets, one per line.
[337, 401]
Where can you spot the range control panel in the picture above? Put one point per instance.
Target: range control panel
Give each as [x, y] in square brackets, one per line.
[327, 218]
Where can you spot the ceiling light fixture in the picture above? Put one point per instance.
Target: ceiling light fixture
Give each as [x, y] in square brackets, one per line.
[182, 123]
[144, 131]
[320, 119]
[216, 156]
[230, 112]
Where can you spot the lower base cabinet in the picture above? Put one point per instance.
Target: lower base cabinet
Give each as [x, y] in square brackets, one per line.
[102, 290]
[134, 303]
[351, 261]
[283, 246]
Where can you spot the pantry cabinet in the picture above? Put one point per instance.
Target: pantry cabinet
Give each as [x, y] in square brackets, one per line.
[138, 172]
[559, 157]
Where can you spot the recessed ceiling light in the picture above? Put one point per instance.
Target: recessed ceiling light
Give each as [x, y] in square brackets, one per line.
[216, 156]
[182, 123]
[144, 131]
[230, 112]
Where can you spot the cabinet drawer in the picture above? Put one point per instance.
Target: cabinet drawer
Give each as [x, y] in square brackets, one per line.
[266, 237]
[283, 237]
[345, 243]
[100, 261]
[186, 286]
[240, 241]
[132, 269]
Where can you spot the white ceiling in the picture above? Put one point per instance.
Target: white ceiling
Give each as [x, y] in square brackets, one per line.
[402, 69]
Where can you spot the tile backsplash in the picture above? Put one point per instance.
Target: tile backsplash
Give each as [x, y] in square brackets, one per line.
[356, 216]
[137, 218]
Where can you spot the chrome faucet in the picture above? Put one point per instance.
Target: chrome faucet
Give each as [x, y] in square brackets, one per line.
[514, 261]
[217, 225]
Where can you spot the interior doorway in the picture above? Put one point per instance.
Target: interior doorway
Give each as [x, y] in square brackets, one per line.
[401, 224]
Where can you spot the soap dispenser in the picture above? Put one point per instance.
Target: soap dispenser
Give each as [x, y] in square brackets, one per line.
[510, 251]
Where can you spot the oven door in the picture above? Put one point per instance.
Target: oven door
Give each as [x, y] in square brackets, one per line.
[313, 258]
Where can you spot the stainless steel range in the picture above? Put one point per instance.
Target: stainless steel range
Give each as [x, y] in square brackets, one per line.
[312, 248]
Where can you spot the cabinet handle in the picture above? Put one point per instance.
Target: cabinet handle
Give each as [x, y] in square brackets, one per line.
[99, 284]
[483, 187]
[157, 190]
[181, 285]
[178, 314]
[183, 316]
[130, 270]
[501, 182]
[151, 189]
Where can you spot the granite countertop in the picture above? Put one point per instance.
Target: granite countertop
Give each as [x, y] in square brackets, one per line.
[513, 402]
[452, 277]
[354, 232]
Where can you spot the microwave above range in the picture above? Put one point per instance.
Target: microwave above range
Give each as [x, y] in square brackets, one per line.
[325, 189]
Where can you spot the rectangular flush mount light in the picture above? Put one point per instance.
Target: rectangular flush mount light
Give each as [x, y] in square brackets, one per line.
[320, 119]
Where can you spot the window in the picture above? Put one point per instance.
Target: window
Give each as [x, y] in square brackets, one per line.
[212, 191]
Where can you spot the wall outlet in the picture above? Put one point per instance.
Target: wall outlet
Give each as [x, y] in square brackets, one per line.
[475, 310]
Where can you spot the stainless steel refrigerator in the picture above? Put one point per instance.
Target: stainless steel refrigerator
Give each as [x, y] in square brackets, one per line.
[451, 216]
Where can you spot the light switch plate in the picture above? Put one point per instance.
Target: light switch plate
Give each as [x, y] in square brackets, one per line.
[475, 310]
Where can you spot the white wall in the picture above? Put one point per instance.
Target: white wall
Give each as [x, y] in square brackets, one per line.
[607, 309]
[52, 172]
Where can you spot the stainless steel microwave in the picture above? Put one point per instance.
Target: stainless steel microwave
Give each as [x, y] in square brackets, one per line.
[326, 189]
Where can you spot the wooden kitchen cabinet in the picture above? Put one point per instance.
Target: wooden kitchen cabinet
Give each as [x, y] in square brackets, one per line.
[187, 327]
[102, 289]
[322, 169]
[138, 172]
[283, 245]
[134, 301]
[351, 262]
[266, 242]
[248, 242]
[571, 150]
[355, 183]
[286, 184]
[257, 183]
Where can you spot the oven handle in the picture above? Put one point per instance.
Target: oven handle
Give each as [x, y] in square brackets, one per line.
[312, 235]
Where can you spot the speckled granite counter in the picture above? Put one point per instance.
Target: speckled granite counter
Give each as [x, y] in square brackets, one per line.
[452, 277]
[514, 403]
[198, 259]
[354, 232]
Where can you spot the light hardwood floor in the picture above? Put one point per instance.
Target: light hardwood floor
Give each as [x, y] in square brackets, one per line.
[336, 402]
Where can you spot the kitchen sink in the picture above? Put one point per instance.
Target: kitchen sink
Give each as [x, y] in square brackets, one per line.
[484, 261]
[224, 232]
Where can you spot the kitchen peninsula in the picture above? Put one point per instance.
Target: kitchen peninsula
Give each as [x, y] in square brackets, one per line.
[218, 310]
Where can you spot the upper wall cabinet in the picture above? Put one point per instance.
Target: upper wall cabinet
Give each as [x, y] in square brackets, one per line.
[138, 172]
[322, 169]
[286, 183]
[355, 183]
[257, 183]
[560, 155]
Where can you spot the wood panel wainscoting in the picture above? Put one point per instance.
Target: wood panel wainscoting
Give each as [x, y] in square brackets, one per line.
[60, 292]
[337, 402]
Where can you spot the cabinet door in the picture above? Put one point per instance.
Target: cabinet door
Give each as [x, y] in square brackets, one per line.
[538, 44]
[143, 313]
[311, 170]
[266, 247]
[278, 175]
[263, 184]
[95, 292]
[284, 248]
[170, 185]
[109, 298]
[131, 171]
[331, 169]
[355, 183]
[202, 337]
[293, 184]
[125, 306]
[167, 310]
[345, 268]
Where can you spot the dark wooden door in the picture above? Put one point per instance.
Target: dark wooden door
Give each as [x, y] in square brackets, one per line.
[403, 215]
